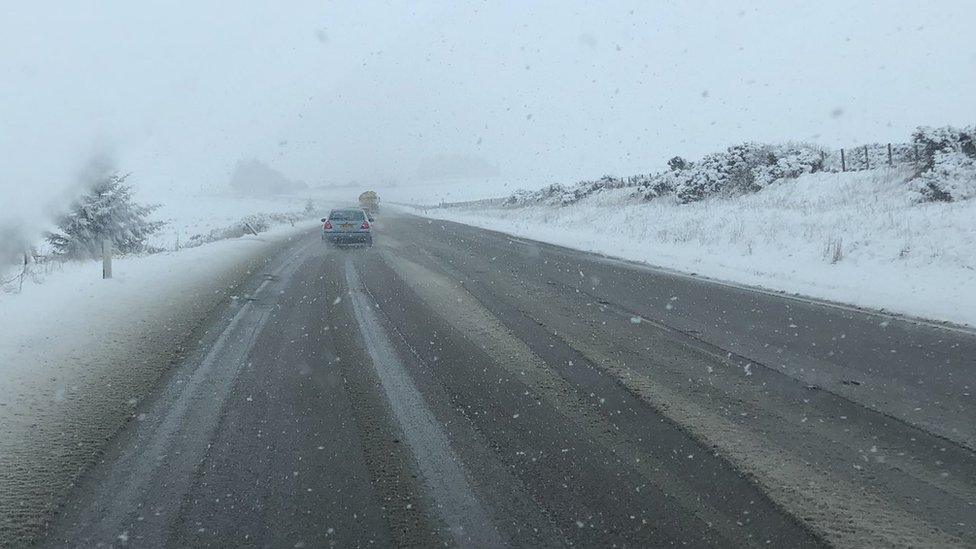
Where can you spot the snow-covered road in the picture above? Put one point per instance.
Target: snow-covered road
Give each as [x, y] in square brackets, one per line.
[858, 238]
[581, 400]
[78, 354]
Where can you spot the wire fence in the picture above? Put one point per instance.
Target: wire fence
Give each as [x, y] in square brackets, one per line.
[33, 266]
[873, 156]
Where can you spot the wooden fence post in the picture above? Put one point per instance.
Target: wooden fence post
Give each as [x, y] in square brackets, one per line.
[106, 258]
[843, 161]
[23, 274]
[890, 162]
[867, 163]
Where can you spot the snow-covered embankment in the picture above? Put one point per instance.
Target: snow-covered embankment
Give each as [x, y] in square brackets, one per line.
[858, 237]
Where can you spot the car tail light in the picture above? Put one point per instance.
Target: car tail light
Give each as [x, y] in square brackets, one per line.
[364, 226]
[327, 226]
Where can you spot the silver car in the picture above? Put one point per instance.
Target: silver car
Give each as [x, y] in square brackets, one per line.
[347, 226]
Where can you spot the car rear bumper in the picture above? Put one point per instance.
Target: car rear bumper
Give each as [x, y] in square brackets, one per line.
[348, 236]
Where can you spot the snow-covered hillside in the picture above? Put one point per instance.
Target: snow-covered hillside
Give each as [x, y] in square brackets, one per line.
[862, 238]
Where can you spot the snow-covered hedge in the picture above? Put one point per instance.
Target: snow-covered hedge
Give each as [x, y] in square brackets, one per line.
[951, 177]
[561, 195]
[739, 169]
[944, 160]
[744, 168]
[947, 167]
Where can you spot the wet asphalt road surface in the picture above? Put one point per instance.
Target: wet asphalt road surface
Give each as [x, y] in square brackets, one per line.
[455, 386]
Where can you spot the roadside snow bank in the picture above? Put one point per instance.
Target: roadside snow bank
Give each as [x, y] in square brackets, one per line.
[190, 220]
[77, 354]
[858, 237]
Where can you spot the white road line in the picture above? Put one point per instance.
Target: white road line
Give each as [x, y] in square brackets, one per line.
[444, 475]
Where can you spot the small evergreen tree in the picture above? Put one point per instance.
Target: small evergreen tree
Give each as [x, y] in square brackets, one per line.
[106, 211]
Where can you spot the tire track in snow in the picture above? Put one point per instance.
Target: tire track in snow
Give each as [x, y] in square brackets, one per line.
[458, 506]
[138, 494]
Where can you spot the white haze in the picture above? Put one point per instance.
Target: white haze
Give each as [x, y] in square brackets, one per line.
[331, 92]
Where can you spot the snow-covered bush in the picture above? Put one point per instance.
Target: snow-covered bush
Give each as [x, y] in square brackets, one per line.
[661, 184]
[791, 161]
[944, 139]
[560, 195]
[739, 169]
[106, 211]
[554, 194]
[677, 163]
[947, 167]
[743, 168]
[952, 176]
[943, 159]
[584, 189]
[520, 197]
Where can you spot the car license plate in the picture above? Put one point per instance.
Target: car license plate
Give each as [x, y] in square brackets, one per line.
[345, 226]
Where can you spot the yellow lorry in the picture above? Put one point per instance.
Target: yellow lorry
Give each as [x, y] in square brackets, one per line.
[370, 201]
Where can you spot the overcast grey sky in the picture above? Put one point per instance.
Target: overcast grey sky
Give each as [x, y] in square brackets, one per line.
[176, 92]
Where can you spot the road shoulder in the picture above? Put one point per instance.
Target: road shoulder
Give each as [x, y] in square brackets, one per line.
[71, 389]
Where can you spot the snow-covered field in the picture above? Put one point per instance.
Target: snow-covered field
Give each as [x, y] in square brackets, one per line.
[859, 238]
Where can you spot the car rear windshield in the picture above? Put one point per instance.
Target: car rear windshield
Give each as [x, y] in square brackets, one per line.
[347, 215]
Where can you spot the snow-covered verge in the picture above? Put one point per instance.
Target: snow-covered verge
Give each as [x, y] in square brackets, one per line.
[77, 353]
[187, 221]
[861, 238]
